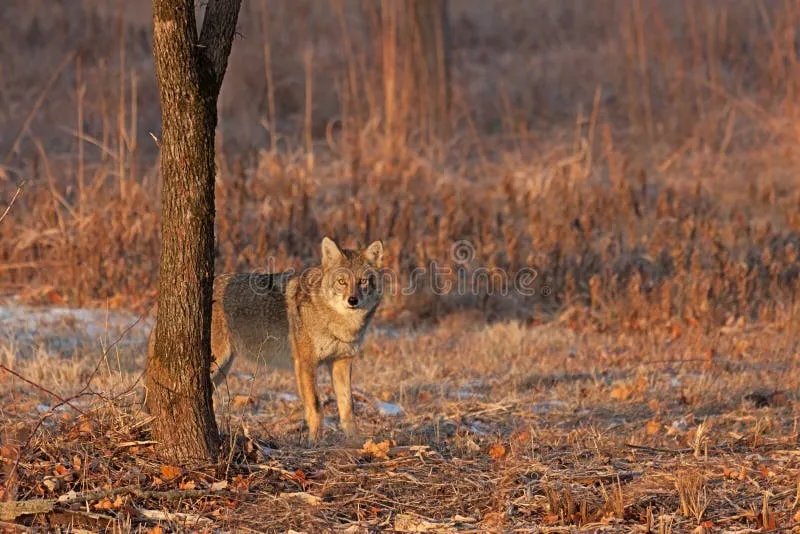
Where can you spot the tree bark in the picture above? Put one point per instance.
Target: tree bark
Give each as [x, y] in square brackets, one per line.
[189, 70]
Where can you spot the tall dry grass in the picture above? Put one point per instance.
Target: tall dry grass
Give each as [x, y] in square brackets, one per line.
[640, 155]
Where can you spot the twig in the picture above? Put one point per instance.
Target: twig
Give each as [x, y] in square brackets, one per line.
[656, 449]
[62, 400]
[168, 495]
[13, 199]
[13, 509]
[158, 515]
[5, 526]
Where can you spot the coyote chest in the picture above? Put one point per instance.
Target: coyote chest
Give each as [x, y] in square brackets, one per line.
[328, 347]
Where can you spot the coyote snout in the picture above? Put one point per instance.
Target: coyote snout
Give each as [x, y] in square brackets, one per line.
[301, 320]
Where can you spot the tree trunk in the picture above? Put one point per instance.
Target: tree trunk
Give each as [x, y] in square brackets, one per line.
[432, 53]
[189, 70]
[416, 61]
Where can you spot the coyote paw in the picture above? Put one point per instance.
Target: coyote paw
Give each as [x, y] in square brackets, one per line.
[314, 433]
[350, 430]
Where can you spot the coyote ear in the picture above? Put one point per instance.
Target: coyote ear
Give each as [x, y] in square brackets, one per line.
[374, 253]
[330, 252]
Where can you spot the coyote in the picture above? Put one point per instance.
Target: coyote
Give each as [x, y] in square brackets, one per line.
[318, 316]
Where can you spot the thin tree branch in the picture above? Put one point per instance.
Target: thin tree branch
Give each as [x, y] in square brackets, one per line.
[216, 35]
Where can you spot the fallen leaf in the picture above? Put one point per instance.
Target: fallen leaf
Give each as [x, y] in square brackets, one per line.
[497, 451]
[104, 504]
[170, 472]
[424, 396]
[219, 486]
[188, 485]
[377, 450]
[413, 523]
[240, 483]
[765, 471]
[299, 476]
[242, 400]
[549, 519]
[523, 437]
[493, 520]
[302, 496]
[653, 427]
[621, 391]
[156, 530]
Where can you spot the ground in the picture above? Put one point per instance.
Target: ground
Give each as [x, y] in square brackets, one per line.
[467, 427]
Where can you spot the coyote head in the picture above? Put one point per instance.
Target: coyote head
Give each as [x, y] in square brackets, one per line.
[351, 278]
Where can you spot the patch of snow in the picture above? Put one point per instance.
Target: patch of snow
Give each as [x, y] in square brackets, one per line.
[387, 408]
[267, 451]
[479, 428]
[285, 396]
[63, 330]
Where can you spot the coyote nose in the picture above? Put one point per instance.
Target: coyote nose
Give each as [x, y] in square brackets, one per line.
[352, 301]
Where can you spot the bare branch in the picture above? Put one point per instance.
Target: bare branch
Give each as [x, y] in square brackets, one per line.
[216, 36]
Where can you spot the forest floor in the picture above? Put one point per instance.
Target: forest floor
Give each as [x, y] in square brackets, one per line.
[491, 427]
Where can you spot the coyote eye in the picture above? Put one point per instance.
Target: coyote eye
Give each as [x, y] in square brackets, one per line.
[341, 281]
[364, 282]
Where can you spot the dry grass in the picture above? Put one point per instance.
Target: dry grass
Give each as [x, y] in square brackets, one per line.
[503, 427]
[641, 156]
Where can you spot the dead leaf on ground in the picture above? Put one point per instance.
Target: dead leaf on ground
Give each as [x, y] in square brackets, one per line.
[170, 472]
[219, 486]
[653, 427]
[413, 523]
[523, 437]
[377, 450]
[621, 391]
[498, 451]
[301, 496]
[240, 483]
[493, 520]
[242, 400]
[108, 504]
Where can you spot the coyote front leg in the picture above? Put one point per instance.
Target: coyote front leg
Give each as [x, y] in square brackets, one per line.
[306, 374]
[340, 376]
